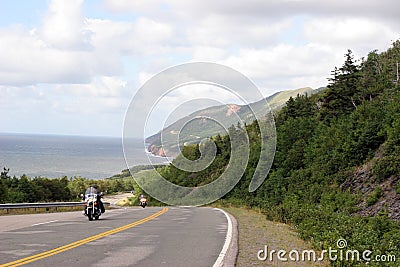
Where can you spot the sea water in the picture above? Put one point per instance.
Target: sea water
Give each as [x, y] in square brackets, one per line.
[56, 156]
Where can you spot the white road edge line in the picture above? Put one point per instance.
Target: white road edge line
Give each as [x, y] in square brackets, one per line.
[228, 239]
[44, 223]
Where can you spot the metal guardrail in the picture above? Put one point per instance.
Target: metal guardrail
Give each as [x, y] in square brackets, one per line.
[43, 205]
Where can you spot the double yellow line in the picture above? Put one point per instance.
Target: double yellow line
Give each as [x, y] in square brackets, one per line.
[81, 242]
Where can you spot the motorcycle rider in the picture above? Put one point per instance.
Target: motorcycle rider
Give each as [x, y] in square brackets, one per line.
[141, 196]
[93, 190]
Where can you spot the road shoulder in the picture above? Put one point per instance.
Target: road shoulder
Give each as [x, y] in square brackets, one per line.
[232, 254]
[255, 232]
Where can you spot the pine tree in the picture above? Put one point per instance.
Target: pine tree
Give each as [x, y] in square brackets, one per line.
[341, 97]
[3, 184]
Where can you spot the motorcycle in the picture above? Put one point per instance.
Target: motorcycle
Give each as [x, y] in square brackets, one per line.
[93, 209]
[143, 202]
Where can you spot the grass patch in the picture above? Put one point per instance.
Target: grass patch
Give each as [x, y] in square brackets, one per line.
[128, 201]
[255, 232]
[38, 210]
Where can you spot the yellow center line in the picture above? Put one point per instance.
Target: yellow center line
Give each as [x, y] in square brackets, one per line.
[81, 242]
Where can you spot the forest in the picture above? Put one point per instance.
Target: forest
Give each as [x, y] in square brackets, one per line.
[42, 189]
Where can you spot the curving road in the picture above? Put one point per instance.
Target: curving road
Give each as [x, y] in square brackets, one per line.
[155, 236]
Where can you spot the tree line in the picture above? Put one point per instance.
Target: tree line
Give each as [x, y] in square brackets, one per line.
[42, 189]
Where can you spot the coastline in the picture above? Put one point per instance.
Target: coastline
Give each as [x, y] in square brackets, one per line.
[55, 156]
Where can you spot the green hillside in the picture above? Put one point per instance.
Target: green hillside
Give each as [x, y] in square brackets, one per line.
[336, 173]
[199, 128]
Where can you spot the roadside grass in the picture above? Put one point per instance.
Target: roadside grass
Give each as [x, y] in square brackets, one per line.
[4, 212]
[128, 201]
[255, 231]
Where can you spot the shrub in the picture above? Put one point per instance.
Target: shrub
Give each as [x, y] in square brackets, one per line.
[386, 167]
[397, 187]
[374, 197]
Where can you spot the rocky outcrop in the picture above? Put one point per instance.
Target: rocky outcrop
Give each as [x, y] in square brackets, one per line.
[232, 109]
[156, 150]
[362, 182]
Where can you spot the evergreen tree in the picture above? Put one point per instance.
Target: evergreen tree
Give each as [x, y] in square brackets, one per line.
[4, 177]
[341, 97]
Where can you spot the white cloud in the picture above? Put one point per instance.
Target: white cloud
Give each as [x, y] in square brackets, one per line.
[282, 66]
[137, 6]
[27, 60]
[361, 34]
[104, 86]
[64, 25]
[143, 36]
[259, 9]
[102, 92]
[225, 30]
[66, 50]
[209, 53]
[144, 76]
[150, 32]
[95, 108]
[252, 36]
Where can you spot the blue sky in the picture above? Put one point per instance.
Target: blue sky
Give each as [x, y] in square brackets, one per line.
[73, 66]
[25, 12]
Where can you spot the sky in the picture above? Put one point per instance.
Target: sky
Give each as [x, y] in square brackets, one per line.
[71, 67]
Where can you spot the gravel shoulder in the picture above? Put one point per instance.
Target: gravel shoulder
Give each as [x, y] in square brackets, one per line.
[115, 200]
[255, 232]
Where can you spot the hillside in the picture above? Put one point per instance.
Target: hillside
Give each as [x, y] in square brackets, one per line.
[198, 129]
[336, 172]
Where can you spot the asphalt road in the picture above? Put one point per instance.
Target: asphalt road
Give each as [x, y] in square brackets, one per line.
[154, 236]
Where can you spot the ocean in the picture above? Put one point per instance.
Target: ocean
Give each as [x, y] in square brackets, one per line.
[55, 156]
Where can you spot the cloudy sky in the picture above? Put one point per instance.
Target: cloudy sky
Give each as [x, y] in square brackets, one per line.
[72, 66]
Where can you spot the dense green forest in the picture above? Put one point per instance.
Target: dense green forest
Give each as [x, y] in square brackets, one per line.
[337, 161]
